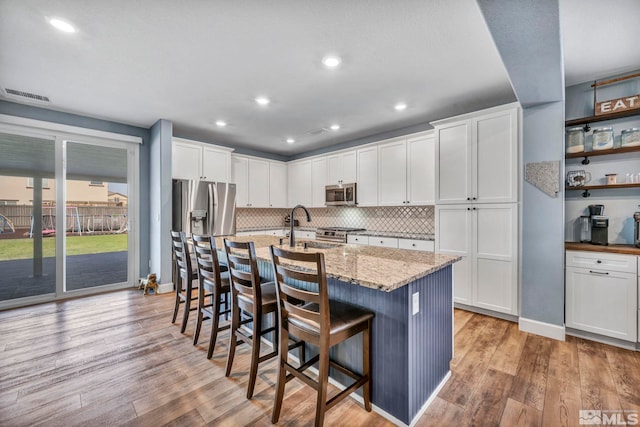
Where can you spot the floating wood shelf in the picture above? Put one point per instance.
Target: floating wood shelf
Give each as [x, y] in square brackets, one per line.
[586, 154]
[601, 118]
[585, 188]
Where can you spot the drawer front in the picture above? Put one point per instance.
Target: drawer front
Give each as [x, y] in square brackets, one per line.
[250, 233]
[416, 245]
[278, 232]
[387, 242]
[603, 261]
[309, 235]
[357, 240]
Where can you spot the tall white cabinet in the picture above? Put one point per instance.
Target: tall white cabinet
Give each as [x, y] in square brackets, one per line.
[259, 183]
[477, 216]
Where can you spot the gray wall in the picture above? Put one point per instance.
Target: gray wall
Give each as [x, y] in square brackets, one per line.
[43, 114]
[160, 200]
[542, 284]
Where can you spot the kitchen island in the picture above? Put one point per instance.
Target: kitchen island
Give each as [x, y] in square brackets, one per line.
[410, 293]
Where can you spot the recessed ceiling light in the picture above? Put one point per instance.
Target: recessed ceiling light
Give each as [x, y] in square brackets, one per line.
[263, 100]
[290, 140]
[221, 123]
[331, 61]
[62, 25]
[400, 106]
[335, 127]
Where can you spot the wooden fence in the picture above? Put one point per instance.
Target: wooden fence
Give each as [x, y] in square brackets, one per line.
[89, 218]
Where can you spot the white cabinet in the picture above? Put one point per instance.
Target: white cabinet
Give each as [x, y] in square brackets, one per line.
[367, 182]
[385, 242]
[302, 234]
[485, 236]
[406, 171]
[299, 175]
[357, 239]
[277, 185]
[477, 157]
[416, 245]
[195, 160]
[278, 232]
[602, 300]
[341, 168]
[318, 181]
[259, 183]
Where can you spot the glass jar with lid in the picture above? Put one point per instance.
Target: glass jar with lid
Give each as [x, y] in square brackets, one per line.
[575, 140]
[603, 138]
[630, 137]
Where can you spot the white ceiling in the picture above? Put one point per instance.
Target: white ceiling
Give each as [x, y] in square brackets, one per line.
[194, 62]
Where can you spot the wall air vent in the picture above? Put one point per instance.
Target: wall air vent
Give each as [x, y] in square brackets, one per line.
[26, 95]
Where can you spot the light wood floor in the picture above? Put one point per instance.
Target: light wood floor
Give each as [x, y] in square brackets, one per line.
[115, 359]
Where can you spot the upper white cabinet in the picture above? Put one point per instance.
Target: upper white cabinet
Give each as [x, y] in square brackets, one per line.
[367, 182]
[299, 182]
[477, 157]
[195, 160]
[406, 171]
[485, 236]
[277, 185]
[341, 167]
[318, 181]
[259, 183]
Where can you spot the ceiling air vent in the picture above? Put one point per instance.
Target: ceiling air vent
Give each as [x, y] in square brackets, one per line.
[29, 96]
[317, 131]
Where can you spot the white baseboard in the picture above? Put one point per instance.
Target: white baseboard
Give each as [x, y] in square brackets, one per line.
[540, 328]
[164, 288]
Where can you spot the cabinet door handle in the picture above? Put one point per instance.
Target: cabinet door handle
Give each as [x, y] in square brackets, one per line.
[599, 262]
[474, 198]
[468, 198]
[468, 209]
[602, 273]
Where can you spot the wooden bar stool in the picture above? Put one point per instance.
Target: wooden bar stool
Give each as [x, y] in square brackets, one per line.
[320, 322]
[213, 289]
[252, 298]
[183, 278]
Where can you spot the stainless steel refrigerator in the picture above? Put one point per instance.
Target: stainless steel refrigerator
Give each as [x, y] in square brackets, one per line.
[206, 208]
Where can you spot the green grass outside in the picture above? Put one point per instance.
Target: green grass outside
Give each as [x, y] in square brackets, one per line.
[76, 245]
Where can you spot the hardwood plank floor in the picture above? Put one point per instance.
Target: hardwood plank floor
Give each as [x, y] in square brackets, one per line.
[115, 359]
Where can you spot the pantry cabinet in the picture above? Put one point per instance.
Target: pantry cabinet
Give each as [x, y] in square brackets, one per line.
[406, 171]
[602, 294]
[477, 157]
[341, 168]
[196, 160]
[485, 237]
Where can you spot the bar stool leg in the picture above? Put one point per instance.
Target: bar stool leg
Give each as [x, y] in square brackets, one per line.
[178, 284]
[235, 324]
[323, 378]
[255, 354]
[366, 366]
[214, 325]
[201, 302]
[281, 380]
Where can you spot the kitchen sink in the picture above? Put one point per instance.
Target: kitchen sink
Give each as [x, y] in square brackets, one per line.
[319, 245]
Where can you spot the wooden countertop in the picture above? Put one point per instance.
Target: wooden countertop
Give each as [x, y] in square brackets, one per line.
[374, 267]
[614, 249]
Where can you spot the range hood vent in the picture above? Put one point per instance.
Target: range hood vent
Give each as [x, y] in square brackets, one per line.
[29, 96]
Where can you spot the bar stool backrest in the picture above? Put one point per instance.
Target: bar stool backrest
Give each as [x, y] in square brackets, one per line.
[243, 273]
[183, 259]
[310, 320]
[209, 273]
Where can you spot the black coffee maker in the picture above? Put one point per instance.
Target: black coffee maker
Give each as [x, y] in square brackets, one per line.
[599, 225]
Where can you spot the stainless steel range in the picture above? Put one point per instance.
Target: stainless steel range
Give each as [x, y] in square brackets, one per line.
[335, 234]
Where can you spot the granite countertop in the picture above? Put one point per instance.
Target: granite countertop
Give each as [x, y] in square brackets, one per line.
[374, 267]
[612, 248]
[399, 235]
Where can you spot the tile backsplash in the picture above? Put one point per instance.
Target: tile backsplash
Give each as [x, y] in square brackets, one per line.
[402, 219]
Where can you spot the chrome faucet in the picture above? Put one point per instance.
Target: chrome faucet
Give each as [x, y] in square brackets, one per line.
[292, 239]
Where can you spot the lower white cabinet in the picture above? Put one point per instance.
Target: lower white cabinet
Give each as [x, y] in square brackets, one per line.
[385, 242]
[485, 236]
[416, 245]
[357, 239]
[307, 235]
[277, 232]
[602, 297]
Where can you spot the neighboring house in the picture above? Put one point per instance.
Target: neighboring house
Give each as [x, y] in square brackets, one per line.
[19, 191]
[117, 199]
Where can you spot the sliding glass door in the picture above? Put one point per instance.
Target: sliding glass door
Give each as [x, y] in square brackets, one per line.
[67, 210]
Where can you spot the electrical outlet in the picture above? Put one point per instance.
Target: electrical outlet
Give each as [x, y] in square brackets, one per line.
[416, 303]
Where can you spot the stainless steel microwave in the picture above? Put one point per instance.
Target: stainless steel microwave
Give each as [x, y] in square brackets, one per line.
[340, 195]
